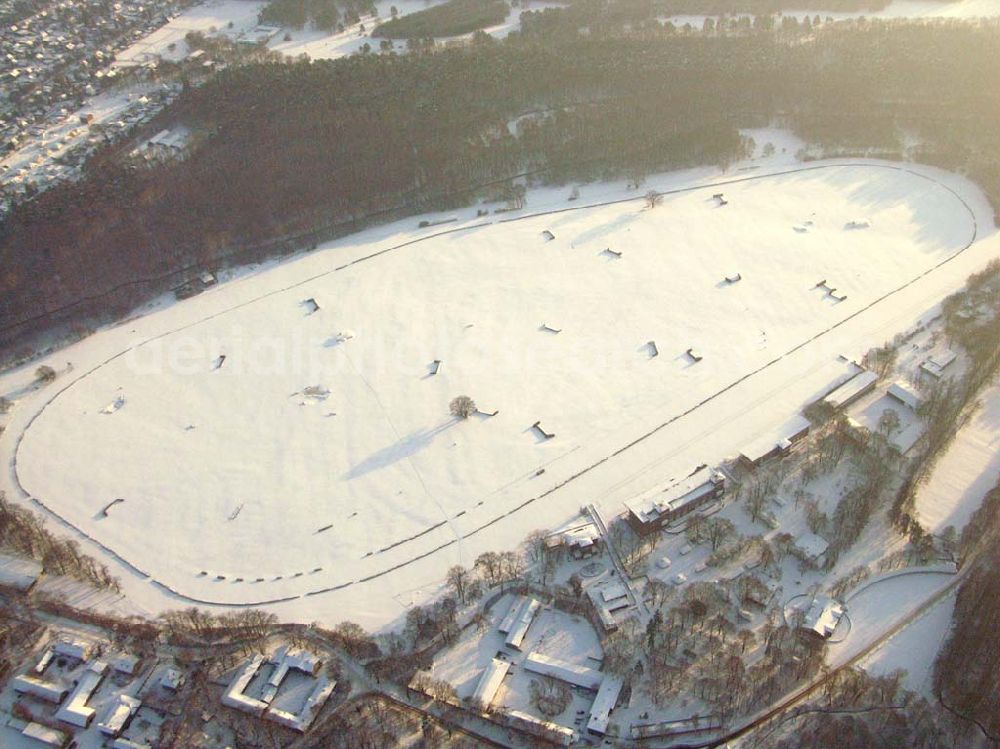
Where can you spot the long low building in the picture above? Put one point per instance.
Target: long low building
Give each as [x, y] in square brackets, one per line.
[43, 690]
[548, 730]
[775, 443]
[525, 616]
[489, 683]
[235, 698]
[118, 714]
[75, 711]
[604, 704]
[301, 720]
[45, 736]
[649, 512]
[579, 675]
[848, 392]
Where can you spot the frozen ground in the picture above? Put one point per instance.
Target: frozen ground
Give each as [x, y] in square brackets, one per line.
[902, 9]
[209, 18]
[249, 489]
[915, 649]
[968, 469]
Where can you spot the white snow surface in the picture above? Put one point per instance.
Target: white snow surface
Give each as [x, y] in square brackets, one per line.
[897, 9]
[232, 473]
[967, 470]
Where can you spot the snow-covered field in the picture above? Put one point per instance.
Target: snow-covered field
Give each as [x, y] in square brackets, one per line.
[372, 490]
[208, 18]
[966, 471]
[897, 9]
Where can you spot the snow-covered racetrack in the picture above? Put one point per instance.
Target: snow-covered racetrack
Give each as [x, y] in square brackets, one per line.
[239, 488]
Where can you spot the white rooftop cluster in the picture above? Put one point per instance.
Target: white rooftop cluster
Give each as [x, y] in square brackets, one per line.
[284, 659]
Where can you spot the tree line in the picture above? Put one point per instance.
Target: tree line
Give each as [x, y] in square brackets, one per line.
[294, 149]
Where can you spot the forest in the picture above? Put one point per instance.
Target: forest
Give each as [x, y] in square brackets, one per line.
[451, 18]
[291, 153]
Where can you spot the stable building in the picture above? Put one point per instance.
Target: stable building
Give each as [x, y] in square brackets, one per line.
[489, 683]
[604, 704]
[776, 444]
[522, 621]
[75, 711]
[650, 512]
[855, 388]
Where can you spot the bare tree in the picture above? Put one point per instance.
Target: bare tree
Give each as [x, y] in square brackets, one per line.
[458, 578]
[462, 407]
[45, 374]
[653, 198]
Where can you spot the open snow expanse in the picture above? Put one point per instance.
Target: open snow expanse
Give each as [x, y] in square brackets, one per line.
[306, 463]
[897, 9]
[966, 471]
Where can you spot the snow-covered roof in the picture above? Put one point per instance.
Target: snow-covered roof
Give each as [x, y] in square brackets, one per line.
[489, 683]
[905, 394]
[121, 743]
[233, 696]
[764, 445]
[522, 622]
[44, 734]
[124, 663]
[604, 703]
[812, 545]
[936, 364]
[856, 386]
[577, 674]
[171, 679]
[43, 690]
[553, 731]
[301, 720]
[75, 711]
[118, 714]
[823, 615]
[675, 495]
[508, 620]
[72, 647]
[286, 659]
[18, 573]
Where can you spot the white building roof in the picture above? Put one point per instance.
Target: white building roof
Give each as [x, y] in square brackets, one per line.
[18, 573]
[124, 663]
[851, 389]
[522, 622]
[118, 714]
[72, 647]
[489, 683]
[674, 495]
[75, 710]
[812, 545]
[44, 734]
[935, 365]
[171, 679]
[604, 703]
[905, 394]
[767, 442]
[314, 702]
[121, 743]
[508, 620]
[554, 731]
[823, 615]
[577, 674]
[234, 697]
[44, 690]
